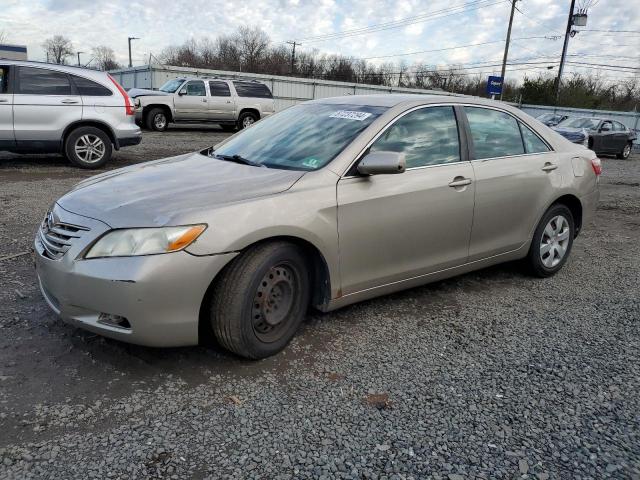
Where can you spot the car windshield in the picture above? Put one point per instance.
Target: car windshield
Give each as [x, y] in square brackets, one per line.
[171, 86]
[547, 116]
[303, 137]
[588, 123]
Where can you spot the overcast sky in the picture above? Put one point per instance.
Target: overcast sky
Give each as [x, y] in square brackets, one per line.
[430, 25]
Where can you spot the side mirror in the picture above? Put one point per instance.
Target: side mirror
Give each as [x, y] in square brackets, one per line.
[382, 163]
[182, 92]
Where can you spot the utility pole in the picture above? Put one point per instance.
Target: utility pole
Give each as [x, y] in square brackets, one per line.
[506, 45]
[564, 49]
[293, 55]
[129, 40]
[79, 58]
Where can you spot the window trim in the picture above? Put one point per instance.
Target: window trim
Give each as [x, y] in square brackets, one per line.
[520, 126]
[16, 77]
[77, 89]
[472, 152]
[462, 140]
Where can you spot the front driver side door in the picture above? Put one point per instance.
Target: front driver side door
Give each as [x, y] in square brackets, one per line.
[191, 103]
[396, 227]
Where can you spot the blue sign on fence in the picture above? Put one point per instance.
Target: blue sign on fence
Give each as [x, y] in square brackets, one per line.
[494, 86]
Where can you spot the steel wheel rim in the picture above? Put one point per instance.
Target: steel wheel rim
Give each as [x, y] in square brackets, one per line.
[247, 121]
[90, 148]
[273, 301]
[626, 151]
[555, 241]
[159, 120]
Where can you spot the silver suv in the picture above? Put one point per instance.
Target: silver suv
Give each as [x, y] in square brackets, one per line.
[230, 103]
[83, 114]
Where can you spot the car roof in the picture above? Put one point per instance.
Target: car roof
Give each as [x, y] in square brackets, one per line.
[84, 72]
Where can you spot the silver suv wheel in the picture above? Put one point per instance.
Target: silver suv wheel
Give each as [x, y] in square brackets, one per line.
[160, 121]
[90, 148]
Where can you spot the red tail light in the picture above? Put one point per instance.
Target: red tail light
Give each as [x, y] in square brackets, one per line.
[127, 101]
[596, 164]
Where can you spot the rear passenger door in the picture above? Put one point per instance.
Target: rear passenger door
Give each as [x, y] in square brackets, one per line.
[190, 102]
[45, 102]
[7, 139]
[97, 100]
[516, 174]
[621, 135]
[221, 105]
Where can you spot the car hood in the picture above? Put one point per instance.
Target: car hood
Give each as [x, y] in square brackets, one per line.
[141, 92]
[172, 191]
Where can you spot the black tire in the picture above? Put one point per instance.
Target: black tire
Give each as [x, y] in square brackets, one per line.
[157, 119]
[83, 145]
[624, 154]
[546, 268]
[244, 118]
[248, 288]
[228, 128]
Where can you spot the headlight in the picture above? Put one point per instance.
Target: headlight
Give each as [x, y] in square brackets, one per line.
[144, 241]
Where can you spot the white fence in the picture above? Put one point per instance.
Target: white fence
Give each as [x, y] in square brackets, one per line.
[288, 91]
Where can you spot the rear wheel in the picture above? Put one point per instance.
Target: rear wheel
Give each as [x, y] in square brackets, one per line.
[552, 241]
[260, 300]
[247, 119]
[157, 120]
[88, 147]
[626, 151]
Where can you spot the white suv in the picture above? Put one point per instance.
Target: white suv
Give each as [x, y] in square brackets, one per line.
[230, 103]
[83, 114]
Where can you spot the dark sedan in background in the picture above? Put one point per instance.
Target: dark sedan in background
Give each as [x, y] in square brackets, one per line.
[603, 136]
[552, 119]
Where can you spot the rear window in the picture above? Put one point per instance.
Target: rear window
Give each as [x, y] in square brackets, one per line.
[89, 88]
[39, 81]
[4, 79]
[252, 89]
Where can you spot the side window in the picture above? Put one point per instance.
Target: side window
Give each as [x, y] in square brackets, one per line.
[219, 89]
[89, 88]
[195, 88]
[606, 126]
[252, 89]
[4, 79]
[618, 127]
[39, 81]
[494, 133]
[428, 136]
[532, 142]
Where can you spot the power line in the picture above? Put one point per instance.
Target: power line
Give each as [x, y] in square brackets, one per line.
[438, 14]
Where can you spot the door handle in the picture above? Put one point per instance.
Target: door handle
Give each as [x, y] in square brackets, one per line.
[548, 167]
[204, 99]
[68, 101]
[228, 101]
[3, 100]
[460, 182]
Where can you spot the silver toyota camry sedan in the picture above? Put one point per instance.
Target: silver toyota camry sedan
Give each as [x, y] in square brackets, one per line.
[327, 203]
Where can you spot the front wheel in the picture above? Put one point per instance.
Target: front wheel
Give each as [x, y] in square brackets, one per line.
[626, 151]
[88, 147]
[157, 120]
[260, 300]
[552, 241]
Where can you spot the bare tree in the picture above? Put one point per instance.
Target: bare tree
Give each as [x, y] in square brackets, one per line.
[4, 37]
[105, 58]
[58, 48]
[253, 44]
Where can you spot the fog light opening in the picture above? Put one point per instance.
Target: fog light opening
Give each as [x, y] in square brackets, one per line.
[114, 321]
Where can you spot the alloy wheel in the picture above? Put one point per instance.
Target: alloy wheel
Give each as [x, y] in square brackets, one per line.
[626, 151]
[90, 148]
[247, 121]
[555, 241]
[160, 121]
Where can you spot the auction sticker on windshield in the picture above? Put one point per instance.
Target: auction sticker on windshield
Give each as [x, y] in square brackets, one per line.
[350, 115]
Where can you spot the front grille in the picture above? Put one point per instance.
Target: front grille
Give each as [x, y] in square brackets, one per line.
[57, 237]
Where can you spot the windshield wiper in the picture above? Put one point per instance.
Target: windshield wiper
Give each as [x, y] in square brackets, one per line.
[238, 159]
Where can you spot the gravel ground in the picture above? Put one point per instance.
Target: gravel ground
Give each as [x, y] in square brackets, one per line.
[489, 375]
